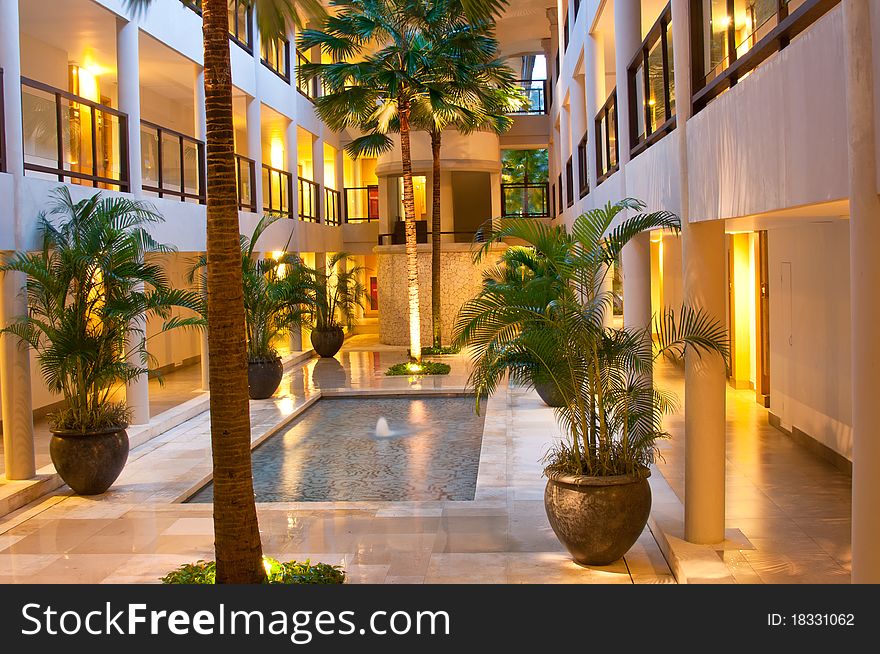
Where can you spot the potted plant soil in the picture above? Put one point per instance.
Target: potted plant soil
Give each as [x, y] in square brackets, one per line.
[274, 292]
[335, 294]
[540, 319]
[90, 292]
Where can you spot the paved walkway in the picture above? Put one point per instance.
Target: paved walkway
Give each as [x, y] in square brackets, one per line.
[792, 506]
[139, 530]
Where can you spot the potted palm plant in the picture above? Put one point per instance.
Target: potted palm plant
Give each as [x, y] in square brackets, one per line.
[543, 310]
[275, 289]
[90, 292]
[335, 293]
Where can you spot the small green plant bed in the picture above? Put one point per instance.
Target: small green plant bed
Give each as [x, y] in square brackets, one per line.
[423, 368]
[291, 572]
[439, 351]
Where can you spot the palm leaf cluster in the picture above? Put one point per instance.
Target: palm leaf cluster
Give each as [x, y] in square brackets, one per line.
[275, 290]
[334, 293]
[540, 317]
[90, 291]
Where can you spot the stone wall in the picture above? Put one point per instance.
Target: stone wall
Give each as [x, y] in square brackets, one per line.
[460, 280]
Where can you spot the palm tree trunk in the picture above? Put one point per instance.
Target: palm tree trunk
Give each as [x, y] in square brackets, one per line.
[236, 533]
[412, 253]
[435, 241]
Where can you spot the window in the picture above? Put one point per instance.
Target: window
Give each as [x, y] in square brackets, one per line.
[577, 6]
[275, 55]
[565, 33]
[559, 189]
[525, 186]
[652, 86]
[583, 176]
[556, 66]
[553, 199]
[569, 183]
[606, 139]
[240, 25]
[732, 37]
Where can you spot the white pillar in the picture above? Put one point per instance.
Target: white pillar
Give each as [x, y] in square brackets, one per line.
[128, 79]
[627, 39]
[15, 369]
[200, 118]
[636, 262]
[137, 391]
[255, 147]
[864, 265]
[594, 64]
[318, 174]
[703, 272]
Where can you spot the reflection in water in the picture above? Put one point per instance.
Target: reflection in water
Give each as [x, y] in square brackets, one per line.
[335, 451]
[328, 373]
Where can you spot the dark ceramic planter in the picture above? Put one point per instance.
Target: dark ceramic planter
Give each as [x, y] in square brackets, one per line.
[264, 378]
[327, 342]
[89, 462]
[549, 394]
[598, 519]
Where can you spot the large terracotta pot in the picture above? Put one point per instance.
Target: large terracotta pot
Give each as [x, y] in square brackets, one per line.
[89, 462]
[327, 342]
[549, 394]
[264, 376]
[597, 518]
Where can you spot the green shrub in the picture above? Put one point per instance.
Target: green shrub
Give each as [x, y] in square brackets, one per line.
[425, 368]
[439, 351]
[291, 572]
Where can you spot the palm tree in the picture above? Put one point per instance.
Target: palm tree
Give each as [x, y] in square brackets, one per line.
[543, 307]
[237, 543]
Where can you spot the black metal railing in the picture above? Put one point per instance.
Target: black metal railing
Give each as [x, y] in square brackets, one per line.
[277, 191]
[332, 215]
[246, 178]
[361, 204]
[721, 57]
[461, 236]
[172, 163]
[275, 55]
[652, 86]
[309, 88]
[2, 127]
[606, 139]
[525, 200]
[72, 138]
[535, 91]
[309, 196]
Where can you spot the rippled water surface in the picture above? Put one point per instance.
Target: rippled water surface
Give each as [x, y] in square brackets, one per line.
[429, 451]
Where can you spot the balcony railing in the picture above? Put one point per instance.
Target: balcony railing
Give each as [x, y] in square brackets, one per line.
[362, 204]
[652, 86]
[606, 139]
[277, 191]
[172, 164]
[721, 57]
[331, 207]
[275, 55]
[73, 139]
[525, 200]
[535, 91]
[2, 128]
[245, 178]
[309, 209]
[309, 88]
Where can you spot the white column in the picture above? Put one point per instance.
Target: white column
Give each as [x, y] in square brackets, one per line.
[578, 115]
[255, 147]
[703, 272]
[128, 79]
[627, 39]
[15, 370]
[137, 391]
[864, 265]
[594, 65]
[318, 173]
[200, 118]
[636, 261]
